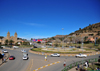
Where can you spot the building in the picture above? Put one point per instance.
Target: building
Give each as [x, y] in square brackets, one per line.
[8, 37]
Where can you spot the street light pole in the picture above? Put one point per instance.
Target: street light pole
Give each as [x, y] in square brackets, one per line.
[62, 37]
[82, 52]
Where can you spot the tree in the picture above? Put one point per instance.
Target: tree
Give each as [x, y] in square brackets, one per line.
[26, 43]
[11, 42]
[53, 38]
[70, 39]
[6, 42]
[85, 38]
[89, 24]
[79, 28]
[39, 42]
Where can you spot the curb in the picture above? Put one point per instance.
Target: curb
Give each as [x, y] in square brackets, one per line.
[9, 48]
[46, 66]
[62, 54]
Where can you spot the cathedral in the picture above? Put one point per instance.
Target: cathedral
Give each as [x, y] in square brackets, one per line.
[14, 38]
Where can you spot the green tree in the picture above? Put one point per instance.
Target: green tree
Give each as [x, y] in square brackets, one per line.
[79, 28]
[85, 38]
[11, 42]
[26, 43]
[53, 38]
[6, 42]
[56, 45]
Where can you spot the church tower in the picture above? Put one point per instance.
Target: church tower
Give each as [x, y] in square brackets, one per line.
[8, 35]
[15, 37]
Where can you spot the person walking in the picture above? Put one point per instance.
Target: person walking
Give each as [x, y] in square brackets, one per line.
[45, 57]
[86, 65]
[64, 63]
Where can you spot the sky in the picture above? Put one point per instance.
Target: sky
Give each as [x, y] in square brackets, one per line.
[46, 18]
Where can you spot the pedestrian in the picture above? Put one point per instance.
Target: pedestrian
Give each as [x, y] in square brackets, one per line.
[98, 68]
[64, 63]
[88, 63]
[46, 58]
[27, 54]
[2, 59]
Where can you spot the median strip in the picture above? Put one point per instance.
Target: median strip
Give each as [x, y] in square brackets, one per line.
[46, 65]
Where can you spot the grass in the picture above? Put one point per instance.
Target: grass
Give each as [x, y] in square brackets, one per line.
[25, 46]
[40, 50]
[84, 45]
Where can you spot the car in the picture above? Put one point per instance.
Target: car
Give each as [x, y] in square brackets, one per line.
[11, 58]
[15, 47]
[1, 47]
[4, 51]
[55, 54]
[23, 51]
[25, 57]
[81, 55]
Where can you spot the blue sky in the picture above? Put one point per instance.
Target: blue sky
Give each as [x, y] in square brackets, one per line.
[46, 18]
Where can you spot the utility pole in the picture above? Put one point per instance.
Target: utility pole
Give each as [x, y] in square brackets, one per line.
[62, 37]
[82, 52]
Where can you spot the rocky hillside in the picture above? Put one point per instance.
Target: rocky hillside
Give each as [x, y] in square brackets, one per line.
[94, 28]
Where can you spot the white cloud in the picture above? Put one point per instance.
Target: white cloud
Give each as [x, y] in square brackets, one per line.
[31, 24]
[34, 37]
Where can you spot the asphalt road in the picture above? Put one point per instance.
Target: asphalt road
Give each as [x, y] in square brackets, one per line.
[35, 61]
[15, 65]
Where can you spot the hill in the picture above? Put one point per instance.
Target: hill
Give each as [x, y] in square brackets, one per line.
[94, 28]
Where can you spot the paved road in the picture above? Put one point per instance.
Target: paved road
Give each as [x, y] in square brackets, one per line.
[35, 61]
[69, 60]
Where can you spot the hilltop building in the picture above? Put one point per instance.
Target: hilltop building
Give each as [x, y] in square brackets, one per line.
[8, 37]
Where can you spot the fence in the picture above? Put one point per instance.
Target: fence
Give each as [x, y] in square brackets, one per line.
[79, 62]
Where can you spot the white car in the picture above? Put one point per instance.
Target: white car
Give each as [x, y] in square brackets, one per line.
[81, 55]
[25, 57]
[15, 47]
[5, 51]
[23, 51]
[55, 54]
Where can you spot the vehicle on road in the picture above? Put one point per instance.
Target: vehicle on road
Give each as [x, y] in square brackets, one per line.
[25, 57]
[4, 51]
[55, 54]
[81, 55]
[11, 58]
[15, 47]
[23, 51]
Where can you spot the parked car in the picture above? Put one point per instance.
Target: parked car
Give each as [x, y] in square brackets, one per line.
[81, 55]
[4, 51]
[23, 51]
[11, 58]
[25, 57]
[55, 54]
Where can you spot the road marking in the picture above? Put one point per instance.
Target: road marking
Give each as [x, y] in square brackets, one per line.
[46, 65]
[30, 65]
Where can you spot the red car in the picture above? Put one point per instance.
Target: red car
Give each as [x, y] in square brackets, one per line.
[11, 58]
